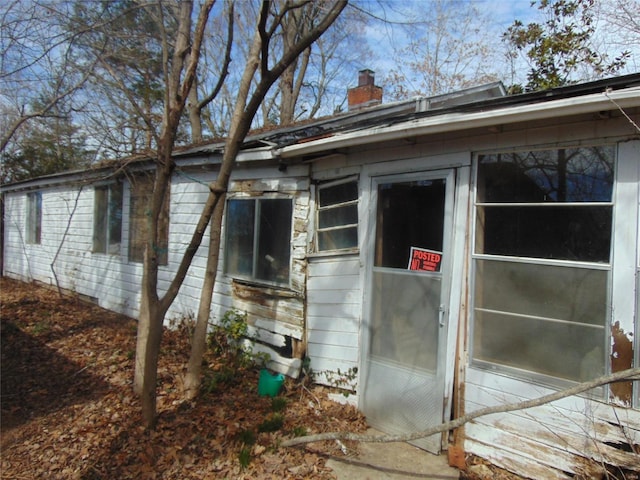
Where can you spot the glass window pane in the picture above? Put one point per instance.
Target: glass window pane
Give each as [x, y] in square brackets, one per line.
[239, 245]
[581, 233]
[274, 243]
[334, 217]
[338, 239]
[34, 217]
[542, 318]
[560, 350]
[115, 217]
[341, 193]
[420, 225]
[582, 174]
[338, 207]
[100, 220]
[564, 293]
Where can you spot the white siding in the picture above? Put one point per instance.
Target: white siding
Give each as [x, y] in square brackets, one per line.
[569, 437]
[333, 317]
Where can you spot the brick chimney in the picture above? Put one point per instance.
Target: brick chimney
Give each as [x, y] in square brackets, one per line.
[366, 94]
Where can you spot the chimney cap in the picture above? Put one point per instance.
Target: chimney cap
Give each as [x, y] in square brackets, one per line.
[366, 76]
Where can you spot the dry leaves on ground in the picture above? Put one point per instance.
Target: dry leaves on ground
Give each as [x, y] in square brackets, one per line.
[68, 410]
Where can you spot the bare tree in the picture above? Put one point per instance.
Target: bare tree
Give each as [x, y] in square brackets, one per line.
[263, 71]
[305, 89]
[33, 41]
[180, 60]
[449, 48]
[197, 105]
[181, 55]
[619, 28]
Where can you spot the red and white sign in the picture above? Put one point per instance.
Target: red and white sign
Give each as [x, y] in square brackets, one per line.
[423, 260]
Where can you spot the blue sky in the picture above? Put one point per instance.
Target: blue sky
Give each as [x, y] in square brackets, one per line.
[385, 39]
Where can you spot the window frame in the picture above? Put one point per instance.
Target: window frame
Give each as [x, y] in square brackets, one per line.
[111, 247]
[33, 221]
[512, 370]
[324, 208]
[253, 278]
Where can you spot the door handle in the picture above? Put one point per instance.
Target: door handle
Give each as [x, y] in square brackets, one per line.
[441, 311]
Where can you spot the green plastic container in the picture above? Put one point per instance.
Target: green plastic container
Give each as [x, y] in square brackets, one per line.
[269, 384]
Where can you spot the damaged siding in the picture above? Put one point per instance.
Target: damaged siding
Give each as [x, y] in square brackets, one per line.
[276, 314]
[571, 437]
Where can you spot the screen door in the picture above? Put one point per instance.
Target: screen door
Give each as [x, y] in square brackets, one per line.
[408, 300]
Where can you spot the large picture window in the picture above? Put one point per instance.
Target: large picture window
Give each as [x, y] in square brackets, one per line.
[107, 218]
[337, 216]
[141, 190]
[258, 239]
[34, 217]
[542, 264]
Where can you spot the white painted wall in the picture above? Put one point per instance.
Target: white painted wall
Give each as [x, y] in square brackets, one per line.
[334, 305]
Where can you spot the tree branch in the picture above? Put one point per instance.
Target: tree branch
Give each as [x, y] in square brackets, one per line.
[225, 66]
[625, 375]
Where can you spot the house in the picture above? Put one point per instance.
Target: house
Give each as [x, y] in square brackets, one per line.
[433, 257]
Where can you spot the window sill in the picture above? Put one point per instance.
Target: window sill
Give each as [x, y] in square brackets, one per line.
[551, 383]
[334, 253]
[249, 289]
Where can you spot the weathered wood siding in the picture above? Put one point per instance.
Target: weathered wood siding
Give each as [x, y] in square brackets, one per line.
[276, 315]
[574, 436]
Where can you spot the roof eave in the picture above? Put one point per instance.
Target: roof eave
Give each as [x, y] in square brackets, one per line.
[455, 121]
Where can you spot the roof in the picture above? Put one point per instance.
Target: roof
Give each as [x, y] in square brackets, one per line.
[483, 105]
[602, 95]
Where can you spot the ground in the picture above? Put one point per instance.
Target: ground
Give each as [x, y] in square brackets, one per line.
[69, 412]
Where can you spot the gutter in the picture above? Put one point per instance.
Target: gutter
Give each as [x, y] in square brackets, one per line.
[455, 121]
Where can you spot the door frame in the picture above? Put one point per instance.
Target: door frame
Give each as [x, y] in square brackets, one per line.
[454, 235]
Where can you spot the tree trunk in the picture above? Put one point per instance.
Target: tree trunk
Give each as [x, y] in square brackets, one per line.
[199, 340]
[149, 353]
[152, 309]
[195, 120]
[287, 100]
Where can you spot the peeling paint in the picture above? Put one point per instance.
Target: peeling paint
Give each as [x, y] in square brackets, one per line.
[621, 359]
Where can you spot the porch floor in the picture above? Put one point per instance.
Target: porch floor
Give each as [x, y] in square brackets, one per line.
[392, 461]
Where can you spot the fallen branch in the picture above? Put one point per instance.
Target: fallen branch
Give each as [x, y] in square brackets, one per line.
[625, 375]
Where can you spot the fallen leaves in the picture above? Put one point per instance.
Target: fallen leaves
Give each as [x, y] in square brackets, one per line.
[68, 410]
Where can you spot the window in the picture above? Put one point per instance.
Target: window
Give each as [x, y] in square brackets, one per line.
[337, 216]
[107, 218]
[542, 268]
[258, 239]
[34, 217]
[141, 190]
